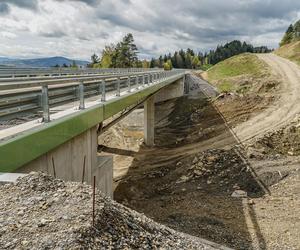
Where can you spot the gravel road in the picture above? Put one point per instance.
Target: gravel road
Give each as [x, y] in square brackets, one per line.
[281, 112]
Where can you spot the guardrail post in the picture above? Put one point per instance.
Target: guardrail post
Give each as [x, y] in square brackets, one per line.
[129, 84]
[137, 82]
[118, 86]
[103, 91]
[81, 96]
[45, 103]
[144, 80]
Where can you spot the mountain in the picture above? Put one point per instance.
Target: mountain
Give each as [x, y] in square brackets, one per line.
[41, 62]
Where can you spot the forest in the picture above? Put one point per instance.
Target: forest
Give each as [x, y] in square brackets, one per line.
[125, 55]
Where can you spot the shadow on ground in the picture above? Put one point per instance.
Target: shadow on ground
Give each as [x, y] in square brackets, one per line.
[186, 181]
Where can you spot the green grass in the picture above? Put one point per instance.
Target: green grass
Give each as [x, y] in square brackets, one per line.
[235, 66]
[226, 87]
[290, 51]
[225, 75]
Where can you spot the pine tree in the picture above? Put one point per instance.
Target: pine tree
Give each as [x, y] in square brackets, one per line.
[288, 36]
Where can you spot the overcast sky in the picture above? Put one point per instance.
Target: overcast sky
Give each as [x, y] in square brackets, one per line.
[78, 28]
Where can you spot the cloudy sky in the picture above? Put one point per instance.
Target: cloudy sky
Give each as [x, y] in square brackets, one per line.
[78, 28]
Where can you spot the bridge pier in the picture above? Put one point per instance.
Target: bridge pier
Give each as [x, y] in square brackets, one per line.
[174, 90]
[149, 114]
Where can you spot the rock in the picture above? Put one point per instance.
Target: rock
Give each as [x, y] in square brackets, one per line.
[67, 224]
[239, 194]
[195, 160]
[178, 164]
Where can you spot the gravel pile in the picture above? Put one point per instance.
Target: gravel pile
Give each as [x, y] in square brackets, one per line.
[40, 212]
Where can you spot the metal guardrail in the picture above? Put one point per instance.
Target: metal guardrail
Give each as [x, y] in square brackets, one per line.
[9, 72]
[33, 94]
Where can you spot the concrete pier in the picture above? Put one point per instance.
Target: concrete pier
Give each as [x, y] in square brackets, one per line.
[149, 112]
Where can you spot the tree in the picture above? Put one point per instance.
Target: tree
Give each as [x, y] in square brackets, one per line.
[145, 64]
[179, 61]
[288, 36]
[188, 61]
[107, 55]
[168, 65]
[195, 62]
[152, 63]
[125, 54]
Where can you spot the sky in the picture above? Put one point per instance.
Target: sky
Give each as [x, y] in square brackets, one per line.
[79, 28]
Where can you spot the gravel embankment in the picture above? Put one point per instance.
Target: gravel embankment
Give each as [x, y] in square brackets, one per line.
[39, 212]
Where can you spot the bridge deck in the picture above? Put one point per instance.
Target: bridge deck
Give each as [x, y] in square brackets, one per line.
[33, 139]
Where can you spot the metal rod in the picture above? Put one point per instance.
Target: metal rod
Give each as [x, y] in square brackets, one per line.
[94, 194]
[53, 166]
[103, 95]
[136, 82]
[118, 86]
[129, 84]
[81, 96]
[83, 170]
[45, 104]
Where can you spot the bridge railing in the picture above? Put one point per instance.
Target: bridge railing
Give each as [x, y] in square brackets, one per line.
[7, 73]
[36, 95]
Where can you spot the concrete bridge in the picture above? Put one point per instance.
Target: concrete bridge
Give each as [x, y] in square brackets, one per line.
[64, 143]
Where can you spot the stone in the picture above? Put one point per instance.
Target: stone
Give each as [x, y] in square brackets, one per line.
[239, 194]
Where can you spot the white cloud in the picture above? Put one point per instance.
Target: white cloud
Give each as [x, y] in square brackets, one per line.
[78, 28]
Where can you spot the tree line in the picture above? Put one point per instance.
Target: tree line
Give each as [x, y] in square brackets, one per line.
[189, 59]
[125, 55]
[292, 34]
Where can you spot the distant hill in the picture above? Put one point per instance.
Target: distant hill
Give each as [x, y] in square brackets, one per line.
[41, 62]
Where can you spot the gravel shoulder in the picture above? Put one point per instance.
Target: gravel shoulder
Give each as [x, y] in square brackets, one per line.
[40, 212]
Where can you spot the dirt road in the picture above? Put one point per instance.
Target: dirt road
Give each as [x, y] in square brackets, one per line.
[285, 109]
[187, 180]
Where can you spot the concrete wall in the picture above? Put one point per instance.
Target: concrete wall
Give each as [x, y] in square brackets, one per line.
[171, 91]
[69, 161]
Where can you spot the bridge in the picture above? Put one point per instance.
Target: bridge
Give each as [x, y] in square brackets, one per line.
[69, 108]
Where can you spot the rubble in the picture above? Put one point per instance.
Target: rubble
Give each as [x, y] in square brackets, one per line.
[40, 212]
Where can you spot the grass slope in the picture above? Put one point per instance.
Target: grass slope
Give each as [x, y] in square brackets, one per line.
[290, 51]
[237, 74]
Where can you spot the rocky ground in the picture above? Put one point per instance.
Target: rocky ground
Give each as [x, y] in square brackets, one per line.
[39, 212]
[202, 180]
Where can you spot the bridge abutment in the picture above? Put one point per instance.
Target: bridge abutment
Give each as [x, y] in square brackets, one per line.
[76, 160]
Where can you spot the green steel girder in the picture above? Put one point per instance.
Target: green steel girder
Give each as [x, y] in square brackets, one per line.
[29, 145]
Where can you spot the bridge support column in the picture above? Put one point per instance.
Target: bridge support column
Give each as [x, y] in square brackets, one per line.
[149, 111]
